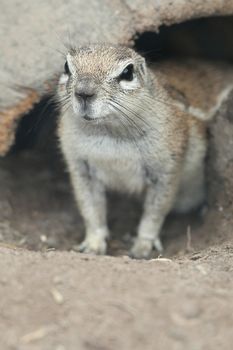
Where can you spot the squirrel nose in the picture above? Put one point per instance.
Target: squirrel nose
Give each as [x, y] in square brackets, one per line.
[85, 90]
[84, 95]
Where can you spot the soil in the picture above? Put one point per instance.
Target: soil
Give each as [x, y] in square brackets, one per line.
[52, 297]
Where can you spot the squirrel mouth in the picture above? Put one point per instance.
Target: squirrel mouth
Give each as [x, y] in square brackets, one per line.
[90, 119]
[86, 117]
[94, 119]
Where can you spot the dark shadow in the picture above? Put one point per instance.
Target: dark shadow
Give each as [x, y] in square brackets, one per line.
[208, 38]
[37, 128]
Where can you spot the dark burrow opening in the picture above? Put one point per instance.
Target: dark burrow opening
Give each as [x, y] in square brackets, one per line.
[37, 209]
[205, 38]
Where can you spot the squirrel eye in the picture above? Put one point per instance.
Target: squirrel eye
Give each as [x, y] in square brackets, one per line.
[127, 73]
[66, 69]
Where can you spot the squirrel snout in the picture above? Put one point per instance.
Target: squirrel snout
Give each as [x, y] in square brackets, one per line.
[85, 91]
[85, 98]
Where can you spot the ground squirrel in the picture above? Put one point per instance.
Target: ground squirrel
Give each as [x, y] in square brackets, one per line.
[121, 128]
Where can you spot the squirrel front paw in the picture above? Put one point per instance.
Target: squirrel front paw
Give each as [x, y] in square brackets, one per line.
[142, 248]
[93, 244]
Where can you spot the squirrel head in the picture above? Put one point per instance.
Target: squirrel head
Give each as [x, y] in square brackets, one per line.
[104, 83]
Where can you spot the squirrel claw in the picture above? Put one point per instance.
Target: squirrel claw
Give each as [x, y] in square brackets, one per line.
[93, 245]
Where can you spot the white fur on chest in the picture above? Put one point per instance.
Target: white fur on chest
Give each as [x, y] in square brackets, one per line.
[116, 163]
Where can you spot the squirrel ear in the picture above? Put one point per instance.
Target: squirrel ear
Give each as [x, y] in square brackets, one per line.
[142, 66]
[71, 65]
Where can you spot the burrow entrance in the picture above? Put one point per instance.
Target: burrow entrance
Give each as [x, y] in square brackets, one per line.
[37, 210]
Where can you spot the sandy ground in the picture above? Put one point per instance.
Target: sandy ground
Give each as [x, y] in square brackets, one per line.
[52, 297]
